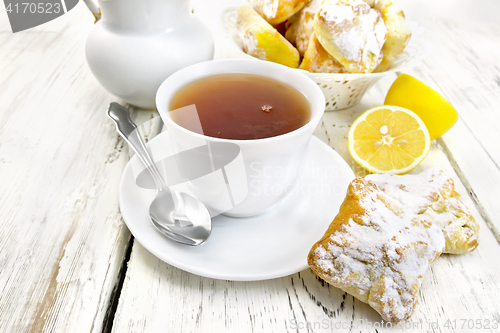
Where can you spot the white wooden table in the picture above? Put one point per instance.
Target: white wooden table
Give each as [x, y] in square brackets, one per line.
[69, 264]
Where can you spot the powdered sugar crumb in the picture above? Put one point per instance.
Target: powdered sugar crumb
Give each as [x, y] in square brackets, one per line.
[270, 8]
[338, 14]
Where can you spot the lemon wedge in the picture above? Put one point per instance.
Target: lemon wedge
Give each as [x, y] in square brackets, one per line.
[435, 111]
[389, 139]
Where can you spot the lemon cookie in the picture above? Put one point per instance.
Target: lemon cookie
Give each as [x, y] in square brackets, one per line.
[262, 41]
[398, 33]
[317, 60]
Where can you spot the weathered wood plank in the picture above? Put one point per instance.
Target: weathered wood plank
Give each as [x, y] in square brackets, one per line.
[62, 240]
[471, 82]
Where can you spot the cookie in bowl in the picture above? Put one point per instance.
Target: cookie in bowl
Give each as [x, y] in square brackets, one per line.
[277, 11]
[318, 60]
[301, 26]
[261, 40]
[352, 32]
[398, 33]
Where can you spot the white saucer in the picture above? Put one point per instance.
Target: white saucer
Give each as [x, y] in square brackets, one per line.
[270, 245]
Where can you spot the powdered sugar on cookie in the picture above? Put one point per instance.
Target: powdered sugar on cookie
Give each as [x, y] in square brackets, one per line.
[352, 32]
[387, 232]
[377, 251]
[431, 195]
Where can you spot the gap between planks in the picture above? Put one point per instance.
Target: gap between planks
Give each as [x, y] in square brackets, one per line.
[114, 298]
[470, 190]
[150, 125]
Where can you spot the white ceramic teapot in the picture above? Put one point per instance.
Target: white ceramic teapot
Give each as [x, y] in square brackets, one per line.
[137, 44]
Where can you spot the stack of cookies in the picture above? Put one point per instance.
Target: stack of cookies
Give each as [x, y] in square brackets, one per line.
[324, 36]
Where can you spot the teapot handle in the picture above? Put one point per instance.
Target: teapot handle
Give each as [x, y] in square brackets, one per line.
[96, 11]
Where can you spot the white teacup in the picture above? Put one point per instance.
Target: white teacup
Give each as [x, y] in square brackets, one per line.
[263, 171]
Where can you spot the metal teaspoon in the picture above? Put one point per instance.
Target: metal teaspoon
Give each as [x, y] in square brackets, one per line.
[190, 224]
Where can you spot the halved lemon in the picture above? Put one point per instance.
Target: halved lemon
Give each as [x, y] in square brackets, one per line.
[435, 111]
[389, 139]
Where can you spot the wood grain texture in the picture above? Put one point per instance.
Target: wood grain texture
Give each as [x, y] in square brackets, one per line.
[62, 239]
[471, 82]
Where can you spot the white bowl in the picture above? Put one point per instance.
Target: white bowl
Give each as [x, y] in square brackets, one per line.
[265, 170]
[341, 90]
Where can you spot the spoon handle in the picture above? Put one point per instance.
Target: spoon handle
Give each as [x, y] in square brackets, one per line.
[127, 129]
